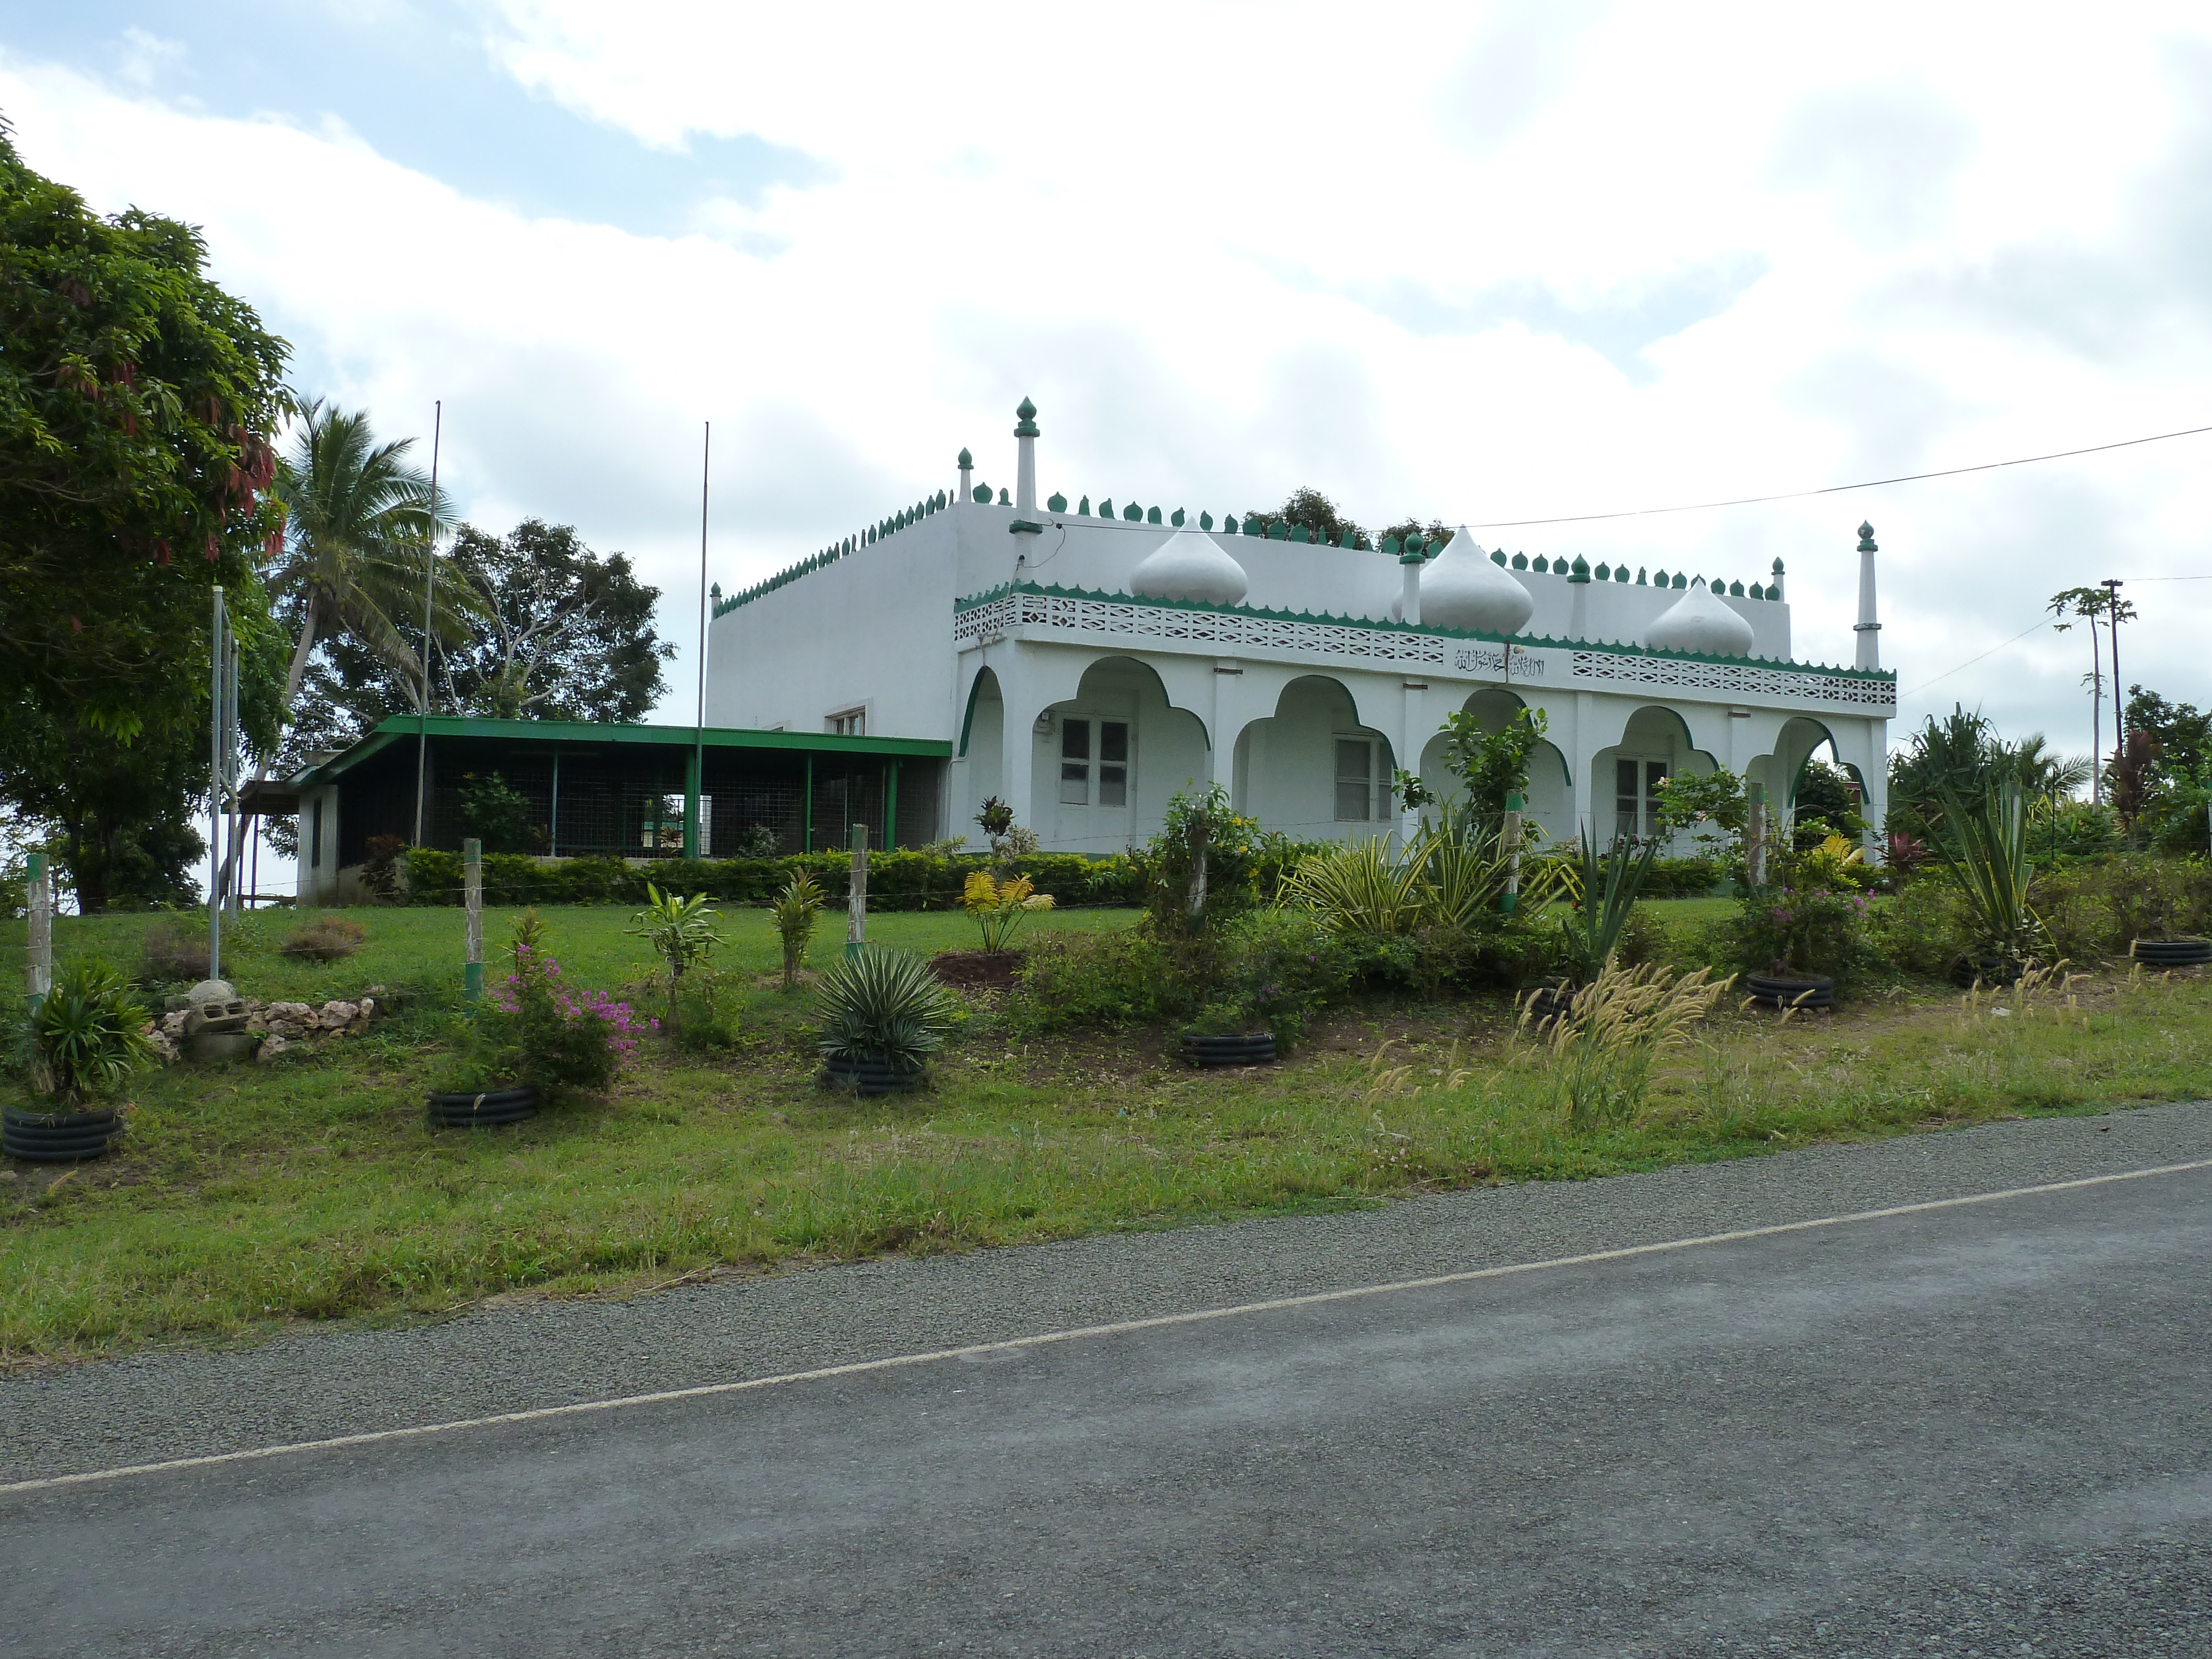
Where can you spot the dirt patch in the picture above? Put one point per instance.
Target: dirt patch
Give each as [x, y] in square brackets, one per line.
[977, 970]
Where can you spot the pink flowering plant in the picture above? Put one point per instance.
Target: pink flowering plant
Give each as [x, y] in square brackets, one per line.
[535, 1029]
[1801, 924]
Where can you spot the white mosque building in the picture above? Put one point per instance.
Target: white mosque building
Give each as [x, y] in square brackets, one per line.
[1084, 663]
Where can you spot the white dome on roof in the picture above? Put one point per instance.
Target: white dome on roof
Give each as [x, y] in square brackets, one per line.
[1190, 565]
[1460, 588]
[1699, 622]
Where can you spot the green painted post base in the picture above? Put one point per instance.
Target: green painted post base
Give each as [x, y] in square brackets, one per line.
[1509, 902]
[472, 980]
[853, 948]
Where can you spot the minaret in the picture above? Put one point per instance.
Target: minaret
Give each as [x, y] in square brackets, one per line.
[967, 477]
[1409, 570]
[1868, 629]
[1774, 586]
[1026, 436]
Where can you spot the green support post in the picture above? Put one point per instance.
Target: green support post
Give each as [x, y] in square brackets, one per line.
[472, 902]
[806, 810]
[1509, 839]
[692, 781]
[890, 806]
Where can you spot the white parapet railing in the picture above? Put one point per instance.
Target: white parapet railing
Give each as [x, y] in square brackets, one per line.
[1087, 618]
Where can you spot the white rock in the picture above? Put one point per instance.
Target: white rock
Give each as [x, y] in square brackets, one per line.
[1462, 588]
[337, 1013]
[1699, 622]
[1190, 565]
[272, 1046]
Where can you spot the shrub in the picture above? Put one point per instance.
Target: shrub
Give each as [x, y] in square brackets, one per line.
[681, 932]
[499, 815]
[88, 1035]
[172, 954]
[1276, 968]
[884, 1005]
[326, 938]
[1785, 929]
[999, 907]
[795, 909]
[1924, 934]
[709, 1007]
[535, 1029]
[1124, 976]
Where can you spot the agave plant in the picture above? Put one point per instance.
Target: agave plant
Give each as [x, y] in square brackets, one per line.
[884, 1005]
[89, 1034]
[1605, 887]
[1983, 849]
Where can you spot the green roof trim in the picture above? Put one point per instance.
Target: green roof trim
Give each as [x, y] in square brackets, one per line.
[398, 727]
[992, 596]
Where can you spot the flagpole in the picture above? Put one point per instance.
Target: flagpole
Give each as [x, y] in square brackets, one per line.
[429, 577]
[699, 727]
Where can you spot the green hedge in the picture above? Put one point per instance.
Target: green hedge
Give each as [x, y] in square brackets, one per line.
[897, 881]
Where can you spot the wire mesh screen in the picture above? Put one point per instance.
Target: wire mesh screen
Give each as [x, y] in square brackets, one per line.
[919, 784]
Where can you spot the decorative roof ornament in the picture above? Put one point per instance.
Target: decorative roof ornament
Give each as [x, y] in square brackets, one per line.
[1190, 565]
[1462, 589]
[1698, 622]
[1027, 412]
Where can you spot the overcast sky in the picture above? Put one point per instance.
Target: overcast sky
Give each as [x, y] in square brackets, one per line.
[1478, 263]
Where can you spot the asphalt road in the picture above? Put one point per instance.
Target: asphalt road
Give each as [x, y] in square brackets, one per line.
[1979, 1428]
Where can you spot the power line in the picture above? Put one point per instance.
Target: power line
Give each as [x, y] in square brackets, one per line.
[1971, 661]
[1837, 489]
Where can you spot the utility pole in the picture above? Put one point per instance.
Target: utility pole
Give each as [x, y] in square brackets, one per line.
[429, 577]
[695, 847]
[2111, 585]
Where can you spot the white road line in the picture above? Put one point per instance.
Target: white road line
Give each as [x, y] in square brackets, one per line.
[1080, 1332]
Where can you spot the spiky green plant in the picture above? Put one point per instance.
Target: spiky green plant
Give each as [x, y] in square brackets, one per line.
[1983, 849]
[681, 932]
[884, 1005]
[1605, 888]
[794, 910]
[89, 1035]
[1360, 890]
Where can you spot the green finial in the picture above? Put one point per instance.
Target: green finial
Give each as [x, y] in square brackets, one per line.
[1620, 573]
[1028, 413]
[1178, 519]
[1681, 580]
[1152, 515]
[1519, 560]
[1205, 522]
[1106, 508]
[1540, 565]
[1132, 514]
[1778, 567]
[1736, 589]
[1579, 571]
[1497, 557]
[1056, 502]
[983, 494]
[966, 460]
[1004, 500]
[1866, 539]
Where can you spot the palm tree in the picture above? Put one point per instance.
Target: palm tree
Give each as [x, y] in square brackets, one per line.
[358, 531]
[2038, 771]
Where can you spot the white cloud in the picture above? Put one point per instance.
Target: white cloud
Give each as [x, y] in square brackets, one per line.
[1481, 265]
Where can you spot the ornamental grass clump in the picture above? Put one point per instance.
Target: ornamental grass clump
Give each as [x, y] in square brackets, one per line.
[87, 1037]
[533, 1029]
[795, 909]
[1601, 1050]
[999, 907]
[884, 1007]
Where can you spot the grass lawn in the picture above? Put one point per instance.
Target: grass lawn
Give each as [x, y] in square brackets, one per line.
[248, 1196]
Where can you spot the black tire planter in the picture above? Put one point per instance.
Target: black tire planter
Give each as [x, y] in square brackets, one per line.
[867, 1077]
[58, 1137]
[2172, 952]
[1777, 991]
[489, 1107]
[1549, 1002]
[1229, 1050]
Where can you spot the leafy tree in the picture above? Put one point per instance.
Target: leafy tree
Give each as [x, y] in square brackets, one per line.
[1323, 520]
[1711, 806]
[2172, 742]
[558, 632]
[1824, 806]
[135, 397]
[1491, 764]
[2183, 734]
[1435, 534]
[498, 815]
[357, 525]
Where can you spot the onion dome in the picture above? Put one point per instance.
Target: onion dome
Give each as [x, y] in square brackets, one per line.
[1460, 588]
[1189, 565]
[1699, 622]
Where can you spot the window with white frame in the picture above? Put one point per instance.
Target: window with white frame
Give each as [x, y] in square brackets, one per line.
[1094, 762]
[1363, 779]
[1635, 796]
[850, 723]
